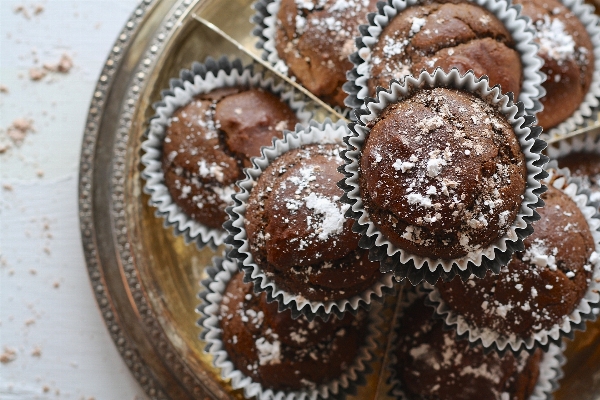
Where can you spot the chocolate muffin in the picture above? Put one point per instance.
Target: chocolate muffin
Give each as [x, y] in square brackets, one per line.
[282, 353]
[210, 140]
[445, 34]
[541, 285]
[442, 174]
[568, 54]
[585, 166]
[432, 365]
[315, 38]
[297, 232]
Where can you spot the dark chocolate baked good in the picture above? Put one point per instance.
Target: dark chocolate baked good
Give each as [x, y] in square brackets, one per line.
[315, 37]
[442, 174]
[541, 285]
[210, 140]
[568, 54]
[585, 166]
[297, 232]
[282, 353]
[432, 365]
[456, 34]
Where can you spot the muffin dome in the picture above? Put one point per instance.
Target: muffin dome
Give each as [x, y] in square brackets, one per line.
[442, 174]
[297, 231]
[211, 139]
[282, 353]
[431, 364]
[315, 38]
[456, 34]
[541, 285]
[568, 54]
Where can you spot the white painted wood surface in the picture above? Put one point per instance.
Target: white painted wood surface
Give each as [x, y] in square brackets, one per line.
[49, 323]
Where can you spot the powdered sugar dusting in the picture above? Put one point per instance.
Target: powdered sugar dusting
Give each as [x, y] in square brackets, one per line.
[333, 216]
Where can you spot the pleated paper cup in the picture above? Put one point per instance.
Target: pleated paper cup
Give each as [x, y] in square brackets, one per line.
[586, 309]
[516, 24]
[212, 295]
[489, 257]
[315, 133]
[202, 78]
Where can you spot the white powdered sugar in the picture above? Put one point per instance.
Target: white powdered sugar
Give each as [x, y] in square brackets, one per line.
[333, 216]
[417, 24]
[419, 199]
[210, 170]
[403, 166]
[434, 166]
[553, 39]
[268, 353]
[539, 254]
[305, 177]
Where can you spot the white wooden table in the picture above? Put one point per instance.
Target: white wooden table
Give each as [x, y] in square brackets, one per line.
[53, 341]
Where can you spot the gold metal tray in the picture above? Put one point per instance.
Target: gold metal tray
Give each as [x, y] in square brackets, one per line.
[145, 279]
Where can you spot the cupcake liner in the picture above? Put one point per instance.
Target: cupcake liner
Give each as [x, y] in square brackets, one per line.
[498, 253]
[550, 365]
[518, 26]
[586, 310]
[212, 294]
[578, 144]
[265, 20]
[314, 133]
[202, 78]
[591, 102]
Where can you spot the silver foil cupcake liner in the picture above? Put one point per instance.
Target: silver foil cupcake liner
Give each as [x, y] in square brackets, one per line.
[265, 20]
[550, 365]
[212, 294]
[518, 26]
[587, 110]
[586, 309]
[314, 133]
[416, 268]
[202, 78]
[588, 144]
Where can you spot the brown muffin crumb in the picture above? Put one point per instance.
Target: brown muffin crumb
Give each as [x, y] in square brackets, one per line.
[315, 39]
[210, 140]
[283, 353]
[433, 365]
[453, 34]
[568, 55]
[442, 174]
[297, 231]
[541, 285]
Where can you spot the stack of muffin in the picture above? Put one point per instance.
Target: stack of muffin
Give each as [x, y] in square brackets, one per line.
[440, 179]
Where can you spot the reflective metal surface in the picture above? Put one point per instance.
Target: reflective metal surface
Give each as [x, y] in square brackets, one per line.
[146, 279]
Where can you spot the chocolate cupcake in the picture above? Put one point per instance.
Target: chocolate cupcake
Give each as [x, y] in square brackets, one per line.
[272, 355]
[427, 362]
[568, 54]
[411, 36]
[581, 155]
[206, 129]
[432, 364]
[543, 290]
[449, 35]
[290, 233]
[312, 40]
[437, 176]
[211, 139]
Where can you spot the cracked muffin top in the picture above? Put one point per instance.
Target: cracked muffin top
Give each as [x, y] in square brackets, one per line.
[453, 34]
[442, 174]
[541, 285]
[210, 140]
[297, 231]
[315, 38]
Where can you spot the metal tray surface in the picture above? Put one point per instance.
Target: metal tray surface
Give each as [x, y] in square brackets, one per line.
[144, 277]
